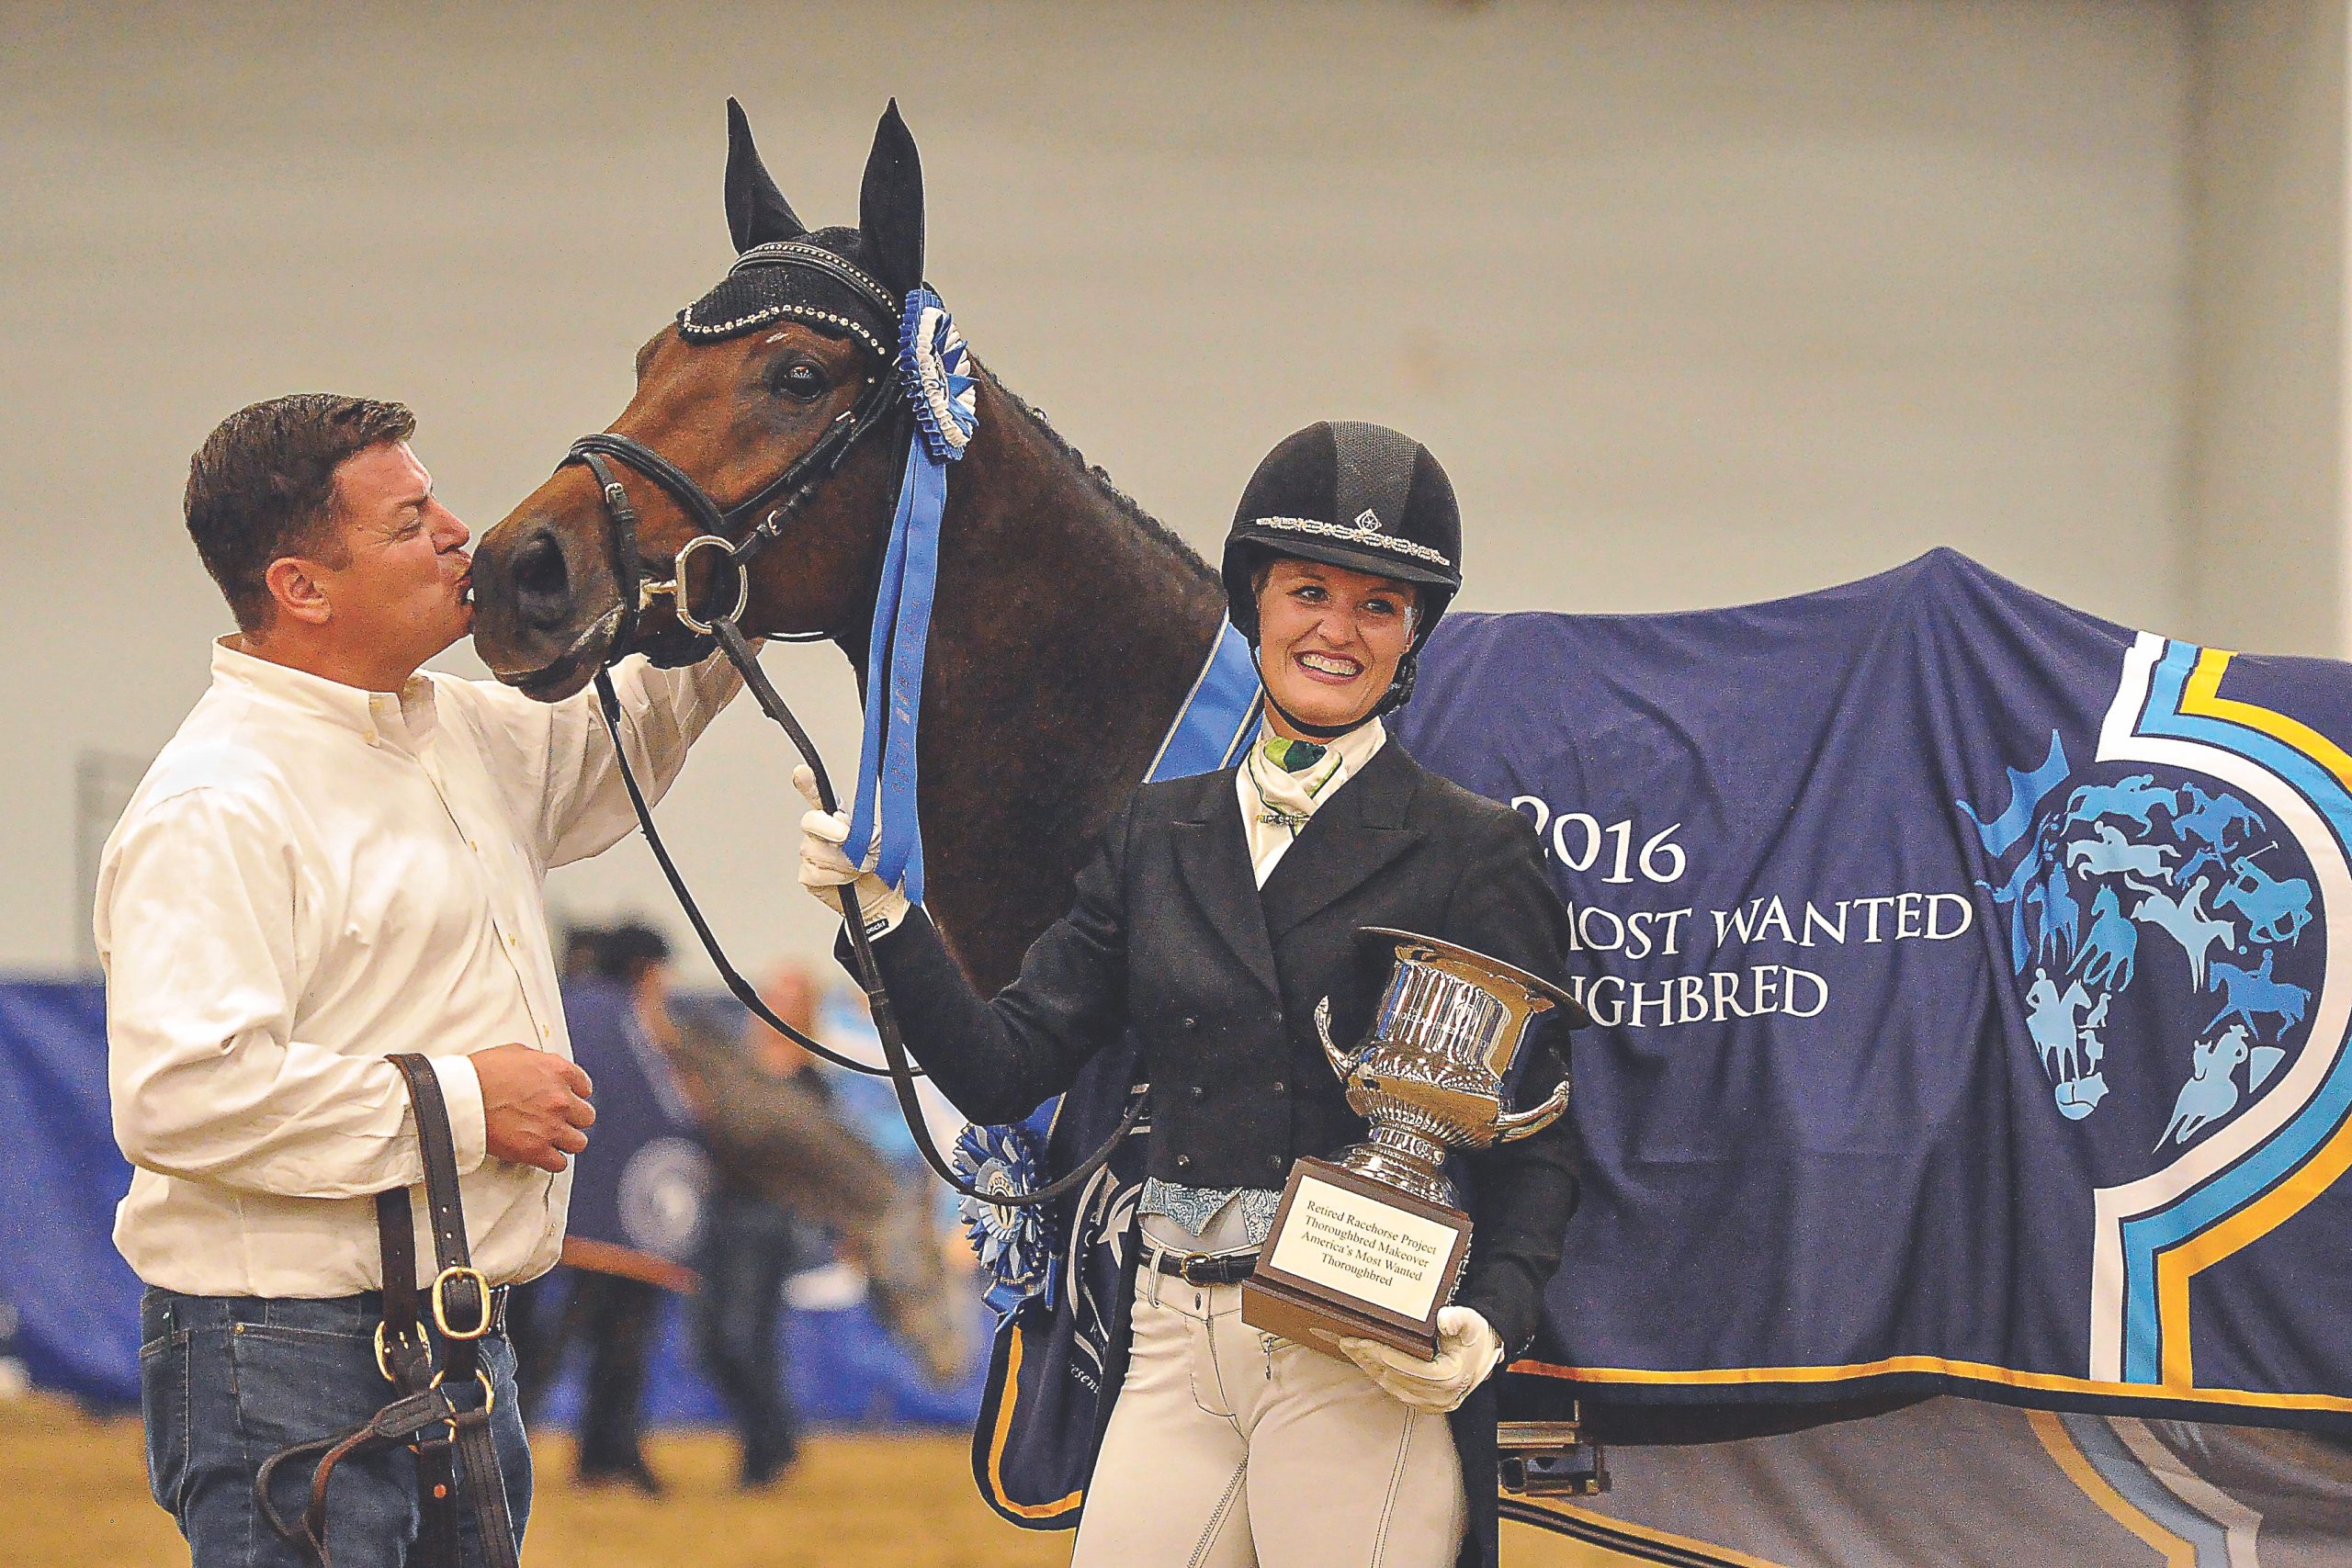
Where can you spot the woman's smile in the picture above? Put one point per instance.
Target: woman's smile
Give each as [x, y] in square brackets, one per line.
[1336, 669]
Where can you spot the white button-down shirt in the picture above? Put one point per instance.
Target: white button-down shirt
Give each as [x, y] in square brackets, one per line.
[312, 877]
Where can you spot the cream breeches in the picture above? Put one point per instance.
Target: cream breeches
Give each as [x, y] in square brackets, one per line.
[1232, 1449]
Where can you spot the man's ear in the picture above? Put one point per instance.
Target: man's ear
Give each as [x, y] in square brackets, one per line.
[295, 590]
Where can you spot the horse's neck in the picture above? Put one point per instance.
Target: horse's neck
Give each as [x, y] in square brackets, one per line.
[1066, 632]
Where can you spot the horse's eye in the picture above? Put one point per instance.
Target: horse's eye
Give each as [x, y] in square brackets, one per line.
[798, 378]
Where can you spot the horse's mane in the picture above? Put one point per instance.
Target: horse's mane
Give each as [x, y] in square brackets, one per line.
[1124, 504]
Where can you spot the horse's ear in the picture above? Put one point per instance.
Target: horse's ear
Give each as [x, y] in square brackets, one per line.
[757, 213]
[890, 208]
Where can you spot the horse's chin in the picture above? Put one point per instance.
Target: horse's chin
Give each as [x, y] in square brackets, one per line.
[570, 671]
[564, 678]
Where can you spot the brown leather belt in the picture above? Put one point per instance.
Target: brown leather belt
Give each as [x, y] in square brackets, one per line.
[373, 1302]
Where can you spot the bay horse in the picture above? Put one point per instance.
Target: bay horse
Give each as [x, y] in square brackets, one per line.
[1067, 630]
[1068, 624]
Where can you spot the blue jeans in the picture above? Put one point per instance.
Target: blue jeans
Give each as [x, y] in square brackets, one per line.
[226, 1380]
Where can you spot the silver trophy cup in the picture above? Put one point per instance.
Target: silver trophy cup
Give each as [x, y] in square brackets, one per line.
[1373, 1244]
[1430, 1077]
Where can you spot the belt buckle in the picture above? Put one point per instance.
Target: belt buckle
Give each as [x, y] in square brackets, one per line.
[1184, 1268]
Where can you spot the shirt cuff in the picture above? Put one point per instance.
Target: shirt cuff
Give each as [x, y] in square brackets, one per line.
[468, 1122]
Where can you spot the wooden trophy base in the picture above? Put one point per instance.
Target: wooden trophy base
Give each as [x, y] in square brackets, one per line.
[1355, 1257]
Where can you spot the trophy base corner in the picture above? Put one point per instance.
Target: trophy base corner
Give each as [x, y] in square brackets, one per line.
[1320, 1322]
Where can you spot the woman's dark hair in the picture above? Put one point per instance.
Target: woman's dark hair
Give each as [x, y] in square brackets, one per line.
[261, 486]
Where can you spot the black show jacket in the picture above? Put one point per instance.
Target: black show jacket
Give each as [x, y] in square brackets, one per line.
[1171, 936]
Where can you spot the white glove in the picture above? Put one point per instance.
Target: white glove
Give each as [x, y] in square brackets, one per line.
[1467, 1349]
[825, 868]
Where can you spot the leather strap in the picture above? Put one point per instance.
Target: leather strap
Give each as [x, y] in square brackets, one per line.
[455, 1397]
[900, 1068]
[444, 1209]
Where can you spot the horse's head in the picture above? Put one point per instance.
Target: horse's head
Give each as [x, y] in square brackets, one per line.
[756, 414]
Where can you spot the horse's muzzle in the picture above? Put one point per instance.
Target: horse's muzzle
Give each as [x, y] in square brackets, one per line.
[546, 609]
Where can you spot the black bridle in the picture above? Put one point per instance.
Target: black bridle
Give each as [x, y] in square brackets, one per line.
[724, 529]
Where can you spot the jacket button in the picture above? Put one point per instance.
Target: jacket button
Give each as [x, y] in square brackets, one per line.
[1192, 1023]
[1197, 1091]
[1274, 1162]
[1183, 1162]
[1279, 1086]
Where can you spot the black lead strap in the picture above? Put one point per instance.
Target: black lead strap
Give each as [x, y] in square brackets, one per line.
[610, 701]
[899, 1068]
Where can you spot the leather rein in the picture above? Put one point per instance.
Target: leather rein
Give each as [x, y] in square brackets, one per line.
[725, 535]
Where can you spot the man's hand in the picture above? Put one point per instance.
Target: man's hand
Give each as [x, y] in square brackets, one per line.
[536, 1105]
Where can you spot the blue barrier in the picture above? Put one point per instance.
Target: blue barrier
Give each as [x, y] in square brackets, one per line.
[77, 1302]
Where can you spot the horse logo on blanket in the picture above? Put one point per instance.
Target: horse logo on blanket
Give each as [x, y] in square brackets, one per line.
[2160, 904]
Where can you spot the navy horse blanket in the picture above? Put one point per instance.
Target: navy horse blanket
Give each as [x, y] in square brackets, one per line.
[1964, 1014]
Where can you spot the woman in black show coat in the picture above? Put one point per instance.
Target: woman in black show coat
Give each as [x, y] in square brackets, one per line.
[1215, 913]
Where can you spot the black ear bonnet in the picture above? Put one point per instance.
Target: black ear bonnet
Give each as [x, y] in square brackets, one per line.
[820, 279]
[1351, 494]
[851, 282]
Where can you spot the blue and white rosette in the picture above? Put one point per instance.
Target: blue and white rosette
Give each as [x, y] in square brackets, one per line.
[1012, 1242]
[935, 373]
[932, 363]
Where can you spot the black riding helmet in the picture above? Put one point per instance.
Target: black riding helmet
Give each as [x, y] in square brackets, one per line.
[1357, 495]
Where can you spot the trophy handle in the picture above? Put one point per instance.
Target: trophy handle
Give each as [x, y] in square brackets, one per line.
[1342, 1062]
[1518, 1124]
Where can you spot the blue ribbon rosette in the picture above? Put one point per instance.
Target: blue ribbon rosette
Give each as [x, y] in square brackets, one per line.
[936, 376]
[1013, 1242]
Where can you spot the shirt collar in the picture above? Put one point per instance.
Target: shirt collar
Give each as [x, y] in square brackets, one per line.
[406, 717]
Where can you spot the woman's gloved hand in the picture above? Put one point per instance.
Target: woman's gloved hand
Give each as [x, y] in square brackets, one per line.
[825, 870]
[1467, 1349]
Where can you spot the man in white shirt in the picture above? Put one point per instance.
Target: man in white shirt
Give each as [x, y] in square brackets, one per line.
[337, 858]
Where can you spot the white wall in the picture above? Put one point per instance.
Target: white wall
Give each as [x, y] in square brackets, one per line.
[1699, 303]
[2265, 549]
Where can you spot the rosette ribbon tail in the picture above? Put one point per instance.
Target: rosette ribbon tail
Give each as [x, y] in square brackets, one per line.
[934, 375]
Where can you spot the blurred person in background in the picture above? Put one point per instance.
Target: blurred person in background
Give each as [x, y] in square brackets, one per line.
[774, 1123]
[337, 858]
[749, 1244]
[635, 1205]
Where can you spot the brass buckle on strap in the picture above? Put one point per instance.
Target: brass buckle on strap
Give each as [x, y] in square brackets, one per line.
[384, 1352]
[438, 1297]
[489, 1399]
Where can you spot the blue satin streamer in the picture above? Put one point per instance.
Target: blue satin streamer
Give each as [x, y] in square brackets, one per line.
[889, 772]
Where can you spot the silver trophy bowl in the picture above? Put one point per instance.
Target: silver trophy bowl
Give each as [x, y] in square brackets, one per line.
[1430, 1076]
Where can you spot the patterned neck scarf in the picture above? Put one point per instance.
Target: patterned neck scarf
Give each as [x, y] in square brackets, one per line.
[1289, 775]
[1292, 756]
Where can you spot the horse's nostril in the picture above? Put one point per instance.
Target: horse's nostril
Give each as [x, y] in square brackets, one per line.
[542, 583]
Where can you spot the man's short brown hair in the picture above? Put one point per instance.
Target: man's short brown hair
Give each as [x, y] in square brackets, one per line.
[261, 486]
